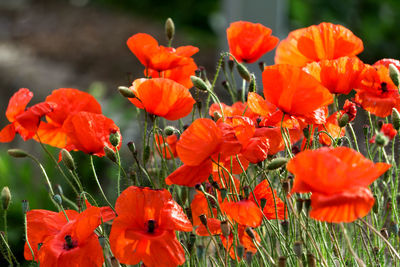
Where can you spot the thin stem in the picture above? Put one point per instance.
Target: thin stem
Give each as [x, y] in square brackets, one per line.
[347, 239]
[98, 183]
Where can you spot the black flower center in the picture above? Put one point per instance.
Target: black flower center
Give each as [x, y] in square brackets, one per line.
[384, 88]
[151, 226]
[69, 243]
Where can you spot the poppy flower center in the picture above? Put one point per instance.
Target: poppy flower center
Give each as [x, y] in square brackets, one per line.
[151, 226]
[384, 88]
[69, 243]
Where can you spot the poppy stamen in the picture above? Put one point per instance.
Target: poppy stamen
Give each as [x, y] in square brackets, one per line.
[384, 88]
[69, 243]
[151, 225]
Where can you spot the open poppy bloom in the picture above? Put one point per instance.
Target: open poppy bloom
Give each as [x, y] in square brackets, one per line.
[332, 127]
[249, 41]
[166, 146]
[244, 212]
[158, 57]
[237, 109]
[294, 91]
[23, 121]
[69, 101]
[338, 179]
[89, 132]
[145, 228]
[162, 97]
[318, 42]
[56, 241]
[376, 92]
[339, 76]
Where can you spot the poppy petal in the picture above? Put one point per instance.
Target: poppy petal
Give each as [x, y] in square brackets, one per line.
[190, 175]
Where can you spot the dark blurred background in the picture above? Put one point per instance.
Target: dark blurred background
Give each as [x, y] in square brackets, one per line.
[48, 44]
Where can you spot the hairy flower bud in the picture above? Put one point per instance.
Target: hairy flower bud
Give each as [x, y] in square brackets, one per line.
[277, 163]
[199, 83]
[396, 119]
[243, 72]
[170, 130]
[115, 138]
[126, 92]
[17, 153]
[67, 159]
[394, 74]
[5, 197]
[110, 154]
[169, 29]
[225, 228]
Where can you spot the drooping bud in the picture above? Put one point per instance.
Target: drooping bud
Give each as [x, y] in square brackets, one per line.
[17, 153]
[243, 72]
[169, 29]
[25, 206]
[252, 84]
[67, 159]
[5, 197]
[381, 139]
[110, 154]
[394, 74]
[277, 163]
[225, 228]
[286, 186]
[132, 148]
[199, 83]
[57, 198]
[343, 120]
[261, 65]
[298, 249]
[115, 138]
[384, 233]
[203, 219]
[216, 116]
[170, 130]
[282, 261]
[226, 85]
[126, 92]
[396, 119]
[199, 187]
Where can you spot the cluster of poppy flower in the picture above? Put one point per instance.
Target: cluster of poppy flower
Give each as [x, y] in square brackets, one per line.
[313, 66]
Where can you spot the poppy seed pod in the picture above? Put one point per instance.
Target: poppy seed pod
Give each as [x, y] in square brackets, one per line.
[17, 153]
[394, 74]
[199, 83]
[243, 72]
[169, 29]
[298, 248]
[67, 159]
[396, 119]
[311, 260]
[5, 197]
[225, 228]
[126, 92]
[282, 261]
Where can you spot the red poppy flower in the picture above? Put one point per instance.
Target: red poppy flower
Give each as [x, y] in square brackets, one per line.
[350, 109]
[155, 57]
[59, 242]
[23, 121]
[166, 146]
[89, 132]
[338, 180]
[249, 41]
[339, 76]
[274, 136]
[237, 109]
[182, 73]
[387, 130]
[376, 92]
[294, 91]
[162, 97]
[274, 207]
[145, 228]
[244, 212]
[69, 101]
[318, 42]
[332, 127]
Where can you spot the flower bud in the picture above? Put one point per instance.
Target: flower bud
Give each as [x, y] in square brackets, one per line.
[252, 84]
[381, 139]
[226, 85]
[250, 232]
[199, 187]
[5, 197]
[282, 261]
[115, 138]
[126, 92]
[277, 163]
[199, 83]
[366, 129]
[311, 260]
[394, 74]
[25, 206]
[17, 153]
[343, 120]
[67, 159]
[216, 116]
[298, 249]
[285, 226]
[169, 29]
[286, 186]
[57, 198]
[299, 204]
[396, 119]
[243, 72]
[225, 228]
[307, 205]
[203, 219]
[261, 65]
[170, 130]
[110, 154]
[132, 148]
[375, 207]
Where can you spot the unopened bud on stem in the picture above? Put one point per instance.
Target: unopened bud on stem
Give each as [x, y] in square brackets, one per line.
[126, 92]
[5, 197]
[169, 29]
[67, 159]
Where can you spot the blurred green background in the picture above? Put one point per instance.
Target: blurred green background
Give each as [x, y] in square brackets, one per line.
[81, 43]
